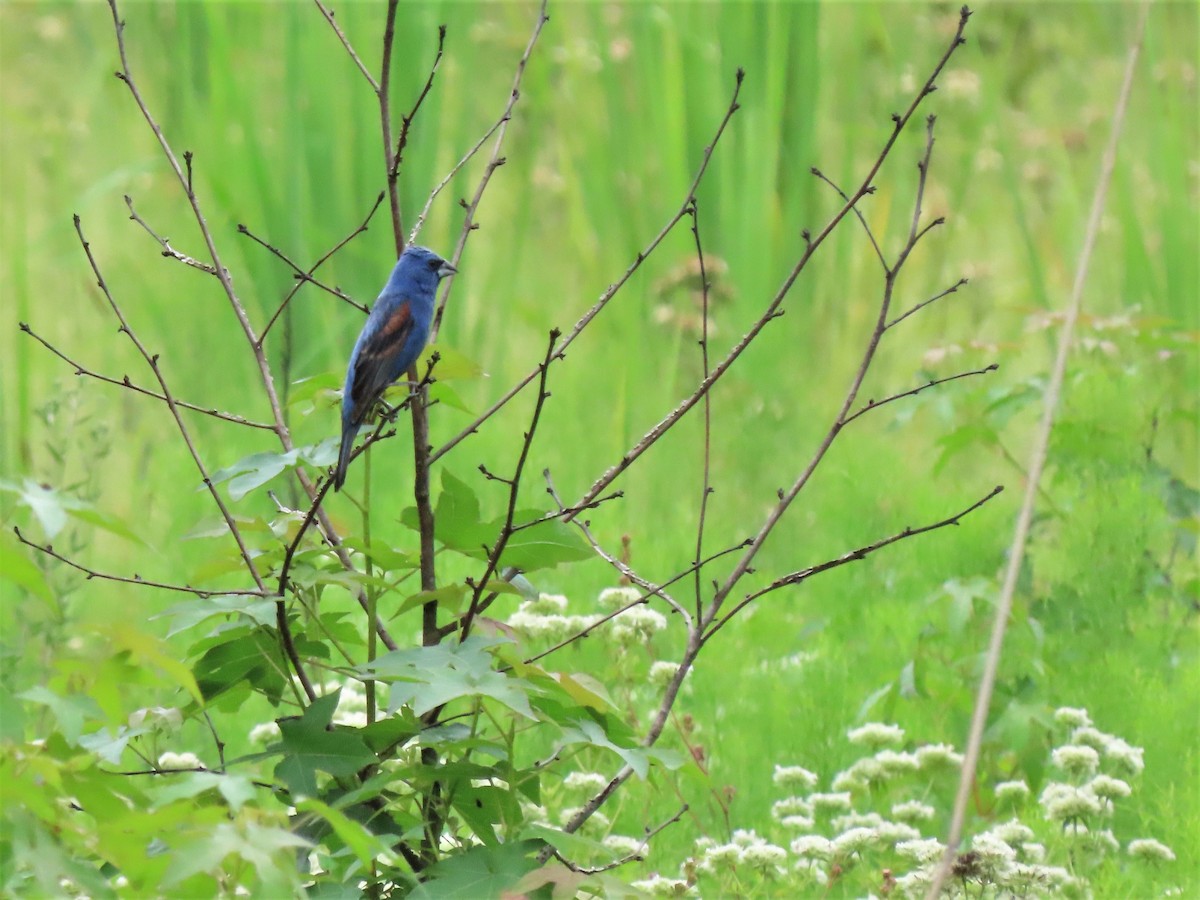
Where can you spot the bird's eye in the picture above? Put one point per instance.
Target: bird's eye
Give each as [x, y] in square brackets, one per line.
[435, 263]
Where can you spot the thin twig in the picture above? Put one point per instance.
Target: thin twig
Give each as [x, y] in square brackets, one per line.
[406, 121]
[797, 577]
[202, 593]
[773, 308]
[1037, 463]
[222, 274]
[494, 162]
[125, 382]
[962, 282]
[612, 289]
[635, 856]
[857, 212]
[167, 249]
[514, 488]
[300, 275]
[875, 404]
[328, 14]
[706, 447]
[320, 262]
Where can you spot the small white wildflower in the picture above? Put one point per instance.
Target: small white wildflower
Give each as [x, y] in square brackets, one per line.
[1012, 832]
[744, 837]
[830, 802]
[615, 598]
[922, 850]
[1011, 791]
[1075, 759]
[794, 777]
[799, 823]
[161, 718]
[721, 856]
[588, 782]
[856, 820]
[895, 832]
[863, 772]
[171, 760]
[703, 842]
[637, 625]
[916, 882]
[624, 845]
[264, 733]
[992, 850]
[1125, 756]
[913, 810]
[1087, 736]
[764, 857]
[790, 806]
[894, 764]
[1062, 802]
[1104, 838]
[1033, 851]
[848, 781]
[1148, 848]
[853, 841]
[1071, 717]
[812, 845]
[546, 605]
[876, 734]
[811, 870]
[657, 886]
[661, 673]
[932, 755]
[1109, 788]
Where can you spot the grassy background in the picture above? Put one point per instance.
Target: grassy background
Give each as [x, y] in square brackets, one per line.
[617, 106]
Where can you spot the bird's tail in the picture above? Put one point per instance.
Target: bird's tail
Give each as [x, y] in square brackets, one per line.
[339, 476]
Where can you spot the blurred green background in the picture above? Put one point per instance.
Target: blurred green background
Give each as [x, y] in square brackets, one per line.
[616, 108]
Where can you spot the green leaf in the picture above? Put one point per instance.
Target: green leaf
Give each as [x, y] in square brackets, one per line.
[252, 656]
[543, 545]
[70, 712]
[192, 612]
[426, 677]
[255, 470]
[235, 789]
[482, 873]
[589, 731]
[452, 364]
[361, 842]
[309, 747]
[17, 567]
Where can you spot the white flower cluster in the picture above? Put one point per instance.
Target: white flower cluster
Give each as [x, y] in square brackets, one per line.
[545, 618]
[746, 850]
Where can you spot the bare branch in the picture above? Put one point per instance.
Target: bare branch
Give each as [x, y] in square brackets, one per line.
[514, 487]
[875, 404]
[167, 249]
[608, 294]
[1037, 462]
[48, 550]
[406, 121]
[924, 303]
[494, 162]
[637, 855]
[857, 212]
[320, 262]
[328, 14]
[300, 274]
[125, 382]
[853, 556]
[706, 453]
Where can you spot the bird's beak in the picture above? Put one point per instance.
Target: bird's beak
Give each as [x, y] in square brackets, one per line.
[446, 269]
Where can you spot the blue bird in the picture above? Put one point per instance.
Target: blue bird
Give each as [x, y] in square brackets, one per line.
[390, 342]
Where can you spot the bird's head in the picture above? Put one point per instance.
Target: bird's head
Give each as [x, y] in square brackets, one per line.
[423, 266]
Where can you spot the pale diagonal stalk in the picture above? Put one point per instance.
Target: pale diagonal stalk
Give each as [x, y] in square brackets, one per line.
[1037, 463]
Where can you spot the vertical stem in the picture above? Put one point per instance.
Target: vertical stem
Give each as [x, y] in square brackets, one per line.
[372, 592]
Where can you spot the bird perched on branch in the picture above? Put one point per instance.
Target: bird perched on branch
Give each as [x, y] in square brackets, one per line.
[390, 342]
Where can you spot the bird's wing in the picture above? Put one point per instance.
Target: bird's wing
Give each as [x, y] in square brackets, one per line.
[376, 365]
